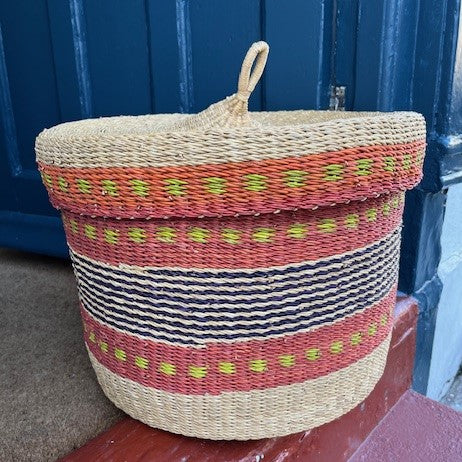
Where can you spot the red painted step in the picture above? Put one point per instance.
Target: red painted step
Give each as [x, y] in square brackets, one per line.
[417, 429]
[336, 441]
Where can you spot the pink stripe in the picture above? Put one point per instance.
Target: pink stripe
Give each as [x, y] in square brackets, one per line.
[269, 355]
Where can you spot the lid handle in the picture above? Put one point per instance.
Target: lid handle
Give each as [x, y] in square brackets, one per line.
[248, 78]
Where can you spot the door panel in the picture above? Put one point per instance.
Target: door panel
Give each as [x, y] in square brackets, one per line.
[118, 59]
[298, 75]
[218, 48]
[29, 101]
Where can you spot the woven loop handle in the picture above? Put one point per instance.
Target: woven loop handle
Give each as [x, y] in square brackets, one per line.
[257, 54]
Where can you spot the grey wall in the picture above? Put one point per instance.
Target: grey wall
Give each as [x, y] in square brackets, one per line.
[447, 345]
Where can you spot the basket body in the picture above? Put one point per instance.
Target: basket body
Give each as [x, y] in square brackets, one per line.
[237, 284]
[289, 330]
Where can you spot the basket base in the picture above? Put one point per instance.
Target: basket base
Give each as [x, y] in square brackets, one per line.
[248, 415]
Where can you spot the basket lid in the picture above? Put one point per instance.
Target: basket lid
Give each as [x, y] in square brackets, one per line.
[226, 160]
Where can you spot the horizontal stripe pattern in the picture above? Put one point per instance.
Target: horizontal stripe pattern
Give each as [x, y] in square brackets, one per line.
[248, 415]
[244, 188]
[147, 141]
[235, 242]
[193, 307]
[241, 366]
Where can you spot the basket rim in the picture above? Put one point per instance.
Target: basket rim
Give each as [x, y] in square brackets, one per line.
[82, 130]
[244, 170]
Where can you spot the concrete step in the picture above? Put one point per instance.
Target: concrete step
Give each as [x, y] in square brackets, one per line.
[417, 429]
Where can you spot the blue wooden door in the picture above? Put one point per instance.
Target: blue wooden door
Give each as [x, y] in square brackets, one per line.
[63, 60]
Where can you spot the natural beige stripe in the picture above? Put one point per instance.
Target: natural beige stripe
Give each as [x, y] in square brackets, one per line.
[248, 415]
[150, 141]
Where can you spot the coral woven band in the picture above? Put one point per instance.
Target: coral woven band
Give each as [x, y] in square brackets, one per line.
[236, 188]
[242, 242]
[240, 366]
[267, 413]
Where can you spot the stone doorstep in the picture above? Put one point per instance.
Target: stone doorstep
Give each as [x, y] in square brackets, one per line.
[132, 441]
[417, 429]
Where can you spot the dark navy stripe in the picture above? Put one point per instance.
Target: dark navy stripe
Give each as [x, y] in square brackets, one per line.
[294, 278]
[162, 294]
[158, 306]
[194, 339]
[135, 319]
[161, 274]
[98, 294]
[160, 300]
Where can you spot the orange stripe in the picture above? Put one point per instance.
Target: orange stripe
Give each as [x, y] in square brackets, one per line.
[244, 187]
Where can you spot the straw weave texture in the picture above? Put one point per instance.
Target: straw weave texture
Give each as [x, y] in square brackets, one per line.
[237, 271]
[251, 415]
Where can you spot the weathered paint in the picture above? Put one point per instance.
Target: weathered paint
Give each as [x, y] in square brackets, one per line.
[133, 441]
[428, 298]
[447, 343]
[417, 429]
[421, 246]
[420, 254]
[408, 56]
[436, 94]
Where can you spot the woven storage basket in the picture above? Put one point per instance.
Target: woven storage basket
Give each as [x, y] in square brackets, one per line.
[237, 271]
